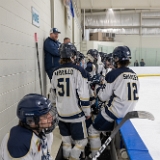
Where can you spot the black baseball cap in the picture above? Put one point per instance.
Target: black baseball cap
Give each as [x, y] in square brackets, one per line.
[54, 30]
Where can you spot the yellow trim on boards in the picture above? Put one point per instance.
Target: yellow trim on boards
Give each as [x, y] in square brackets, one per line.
[148, 75]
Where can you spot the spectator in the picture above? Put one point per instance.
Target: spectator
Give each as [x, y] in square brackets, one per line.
[136, 63]
[51, 49]
[142, 63]
[66, 40]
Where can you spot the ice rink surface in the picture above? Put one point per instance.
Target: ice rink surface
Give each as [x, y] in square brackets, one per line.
[149, 131]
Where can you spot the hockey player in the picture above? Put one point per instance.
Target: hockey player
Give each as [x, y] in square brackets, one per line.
[95, 68]
[102, 54]
[32, 138]
[120, 90]
[70, 94]
[94, 64]
[109, 64]
[81, 60]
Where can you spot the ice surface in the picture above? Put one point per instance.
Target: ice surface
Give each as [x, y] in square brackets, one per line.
[149, 100]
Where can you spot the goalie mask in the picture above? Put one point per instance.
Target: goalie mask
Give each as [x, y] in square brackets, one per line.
[32, 109]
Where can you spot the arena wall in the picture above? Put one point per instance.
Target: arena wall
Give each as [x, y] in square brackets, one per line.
[18, 60]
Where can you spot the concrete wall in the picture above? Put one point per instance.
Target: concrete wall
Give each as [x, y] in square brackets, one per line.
[142, 47]
[68, 28]
[18, 61]
[102, 46]
[143, 41]
[60, 20]
[77, 33]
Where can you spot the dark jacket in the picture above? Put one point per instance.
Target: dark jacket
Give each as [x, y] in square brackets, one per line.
[142, 63]
[52, 56]
[136, 64]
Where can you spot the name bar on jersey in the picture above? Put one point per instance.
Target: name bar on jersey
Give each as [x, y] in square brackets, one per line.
[64, 72]
[130, 76]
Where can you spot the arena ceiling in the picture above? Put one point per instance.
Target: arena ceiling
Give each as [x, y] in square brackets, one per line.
[118, 4]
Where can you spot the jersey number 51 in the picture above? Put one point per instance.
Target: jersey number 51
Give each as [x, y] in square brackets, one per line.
[64, 86]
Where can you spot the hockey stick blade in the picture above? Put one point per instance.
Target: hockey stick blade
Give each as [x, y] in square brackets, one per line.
[145, 115]
[129, 115]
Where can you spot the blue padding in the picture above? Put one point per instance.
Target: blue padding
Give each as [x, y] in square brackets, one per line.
[131, 137]
[136, 149]
[139, 155]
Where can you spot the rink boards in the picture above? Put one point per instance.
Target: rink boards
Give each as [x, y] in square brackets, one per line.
[146, 134]
[149, 131]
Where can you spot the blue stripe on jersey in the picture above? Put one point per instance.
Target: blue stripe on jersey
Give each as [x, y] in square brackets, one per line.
[19, 141]
[85, 103]
[79, 104]
[73, 117]
[111, 100]
[113, 75]
[110, 114]
[71, 65]
[97, 90]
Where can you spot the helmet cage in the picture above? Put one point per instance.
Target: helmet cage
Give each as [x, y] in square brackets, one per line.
[36, 119]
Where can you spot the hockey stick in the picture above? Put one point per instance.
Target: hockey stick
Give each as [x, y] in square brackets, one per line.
[129, 115]
[38, 63]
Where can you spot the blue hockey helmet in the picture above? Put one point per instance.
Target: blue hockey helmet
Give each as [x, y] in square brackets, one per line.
[93, 52]
[102, 54]
[32, 106]
[93, 55]
[67, 50]
[122, 53]
[82, 55]
[79, 57]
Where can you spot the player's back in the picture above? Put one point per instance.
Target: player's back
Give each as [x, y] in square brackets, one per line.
[125, 88]
[69, 83]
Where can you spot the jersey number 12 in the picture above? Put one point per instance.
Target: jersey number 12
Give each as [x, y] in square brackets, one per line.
[64, 85]
[132, 90]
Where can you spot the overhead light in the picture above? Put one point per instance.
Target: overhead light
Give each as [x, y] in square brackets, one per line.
[110, 9]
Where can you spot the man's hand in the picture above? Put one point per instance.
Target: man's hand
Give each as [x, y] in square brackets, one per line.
[88, 117]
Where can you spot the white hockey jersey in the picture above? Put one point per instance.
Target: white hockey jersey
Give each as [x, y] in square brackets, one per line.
[23, 144]
[120, 90]
[101, 70]
[93, 69]
[70, 92]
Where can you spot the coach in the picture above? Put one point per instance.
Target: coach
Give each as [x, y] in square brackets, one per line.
[51, 49]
